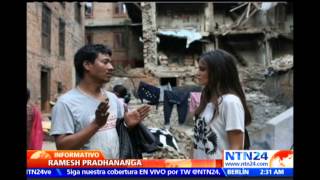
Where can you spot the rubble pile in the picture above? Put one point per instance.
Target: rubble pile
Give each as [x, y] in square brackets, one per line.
[184, 140]
[165, 153]
[282, 63]
[182, 133]
[252, 77]
[263, 108]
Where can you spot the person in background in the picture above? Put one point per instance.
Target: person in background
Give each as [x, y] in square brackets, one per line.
[121, 92]
[34, 126]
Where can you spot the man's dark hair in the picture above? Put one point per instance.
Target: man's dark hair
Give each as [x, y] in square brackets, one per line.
[89, 53]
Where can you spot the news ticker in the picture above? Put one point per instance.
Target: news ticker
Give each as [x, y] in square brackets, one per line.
[79, 163]
[158, 172]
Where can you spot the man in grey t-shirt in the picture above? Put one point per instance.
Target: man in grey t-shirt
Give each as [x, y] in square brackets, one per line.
[85, 117]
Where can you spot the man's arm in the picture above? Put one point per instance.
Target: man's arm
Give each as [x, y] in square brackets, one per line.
[77, 140]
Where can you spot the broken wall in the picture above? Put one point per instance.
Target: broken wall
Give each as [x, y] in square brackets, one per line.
[106, 36]
[288, 24]
[247, 48]
[135, 47]
[172, 49]
[149, 30]
[281, 46]
[180, 16]
[280, 88]
[104, 14]
[221, 14]
[266, 15]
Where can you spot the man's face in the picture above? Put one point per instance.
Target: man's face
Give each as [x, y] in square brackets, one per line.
[101, 70]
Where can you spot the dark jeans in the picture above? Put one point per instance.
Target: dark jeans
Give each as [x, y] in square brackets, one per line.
[180, 99]
[149, 92]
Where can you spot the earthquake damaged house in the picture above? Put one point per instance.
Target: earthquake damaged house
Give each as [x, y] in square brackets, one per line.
[175, 34]
[258, 34]
[107, 23]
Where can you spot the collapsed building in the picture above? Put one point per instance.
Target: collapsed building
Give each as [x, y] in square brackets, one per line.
[175, 34]
[258, 34]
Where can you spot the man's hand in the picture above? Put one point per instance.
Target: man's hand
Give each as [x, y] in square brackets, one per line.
[102, 114]
[77, 140]
[135, 117]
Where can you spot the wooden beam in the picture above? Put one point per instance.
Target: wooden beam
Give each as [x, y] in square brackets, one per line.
[256, 5]
[233, 16]
[268, 57]
[209, 19]
[216, 42]
[238, 7]
[246, 20]
[248, 10]
[240, 19]
[137, 5]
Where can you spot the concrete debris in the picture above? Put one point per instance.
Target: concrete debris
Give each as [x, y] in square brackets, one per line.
[165, 153]
[263, 108]
[283, 63]
[183, 135]
[137, 72]
[252, 77]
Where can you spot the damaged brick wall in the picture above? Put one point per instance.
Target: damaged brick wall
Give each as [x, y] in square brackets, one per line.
[60, 68]
[181, 16]
[149, 33]
[110, 37]
[111, 26]
[209, 18]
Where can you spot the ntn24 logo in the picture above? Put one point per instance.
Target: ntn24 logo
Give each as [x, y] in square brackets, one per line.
[246, 155]
[272, 155]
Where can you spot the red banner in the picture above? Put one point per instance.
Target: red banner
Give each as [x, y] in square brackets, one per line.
[95, 159]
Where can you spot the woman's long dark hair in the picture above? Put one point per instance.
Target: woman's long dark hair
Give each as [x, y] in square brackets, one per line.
[223, 78]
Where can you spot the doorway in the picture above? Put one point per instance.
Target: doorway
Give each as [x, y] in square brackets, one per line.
[45, 89]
